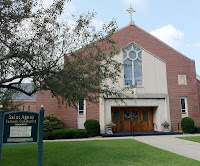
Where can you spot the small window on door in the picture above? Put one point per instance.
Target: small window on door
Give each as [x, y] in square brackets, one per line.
[145, 116]
[127, 116]
[135, 116]
[116, 116]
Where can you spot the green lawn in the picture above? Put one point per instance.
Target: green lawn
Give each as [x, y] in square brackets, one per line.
[193, 138]
[108, 152]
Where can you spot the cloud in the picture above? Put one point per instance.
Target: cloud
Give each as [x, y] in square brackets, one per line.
[194, 45]
[197, 45]
[169, 35]
[97, 23]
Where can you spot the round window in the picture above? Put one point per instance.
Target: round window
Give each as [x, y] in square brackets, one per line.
[127, 114]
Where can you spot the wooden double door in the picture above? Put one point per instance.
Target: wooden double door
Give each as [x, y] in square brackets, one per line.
[132, 119]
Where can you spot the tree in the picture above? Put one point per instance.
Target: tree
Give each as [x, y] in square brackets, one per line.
[6, 97]
[34, 43]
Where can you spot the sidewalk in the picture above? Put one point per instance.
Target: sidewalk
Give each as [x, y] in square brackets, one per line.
[172, 144]
[166, 142]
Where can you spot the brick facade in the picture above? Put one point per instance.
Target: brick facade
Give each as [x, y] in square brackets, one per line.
[26, 104]
[198, 83]
[67, 114]
[92, 111]
[177, 64]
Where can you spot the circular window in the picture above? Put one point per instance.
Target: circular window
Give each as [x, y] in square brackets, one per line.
[132, 54]
[127, 114]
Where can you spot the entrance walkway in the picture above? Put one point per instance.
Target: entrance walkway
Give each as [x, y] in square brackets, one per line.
[172, 144]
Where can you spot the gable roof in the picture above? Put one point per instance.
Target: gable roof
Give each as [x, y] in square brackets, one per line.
[21, 96]
[133, 33]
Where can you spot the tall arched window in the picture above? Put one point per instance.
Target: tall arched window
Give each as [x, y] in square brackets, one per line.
[132, 65]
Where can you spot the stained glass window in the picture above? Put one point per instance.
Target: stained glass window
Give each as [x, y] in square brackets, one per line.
[132, 66]
[132, 55]
[138, 72]
[128, 75]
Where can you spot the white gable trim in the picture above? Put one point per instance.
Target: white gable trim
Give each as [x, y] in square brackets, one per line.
[198, 77]
[24, 100]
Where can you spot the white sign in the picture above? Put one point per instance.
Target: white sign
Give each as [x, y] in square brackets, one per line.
[20, 131]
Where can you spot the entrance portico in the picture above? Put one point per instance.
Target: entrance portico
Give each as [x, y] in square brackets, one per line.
[138, 114]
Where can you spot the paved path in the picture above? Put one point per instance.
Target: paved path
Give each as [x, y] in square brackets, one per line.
[167, 142]
[172, 144]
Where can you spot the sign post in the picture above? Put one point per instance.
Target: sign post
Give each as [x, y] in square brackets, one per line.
[21, 128]
[1, 128]
[40, 143]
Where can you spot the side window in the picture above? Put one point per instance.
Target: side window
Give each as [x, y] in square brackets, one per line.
[184, 105]
[81, 106]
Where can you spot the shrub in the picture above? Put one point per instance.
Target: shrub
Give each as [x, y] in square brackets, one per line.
[52, 122]
[187, 125]
[92, 127]
[197, 129]
[69, 133]
[48, 135]
[79, 133]
[62, 134]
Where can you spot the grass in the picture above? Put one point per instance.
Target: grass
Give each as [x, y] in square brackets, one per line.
[193, 138]
[93, 153]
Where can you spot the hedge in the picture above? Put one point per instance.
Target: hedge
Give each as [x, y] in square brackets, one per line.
[69, 133]
[197, 129]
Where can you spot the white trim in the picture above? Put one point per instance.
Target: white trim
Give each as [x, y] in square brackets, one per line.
[198, 77]
[84, 108]
[81, 118]
[186, 107]
[24, 100]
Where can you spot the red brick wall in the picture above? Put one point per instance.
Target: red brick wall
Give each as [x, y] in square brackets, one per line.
[198, 82]
[67, 114]
[26, 105]
[176, 64]
[92, 111]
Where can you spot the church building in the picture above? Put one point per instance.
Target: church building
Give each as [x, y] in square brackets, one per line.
[165, 87]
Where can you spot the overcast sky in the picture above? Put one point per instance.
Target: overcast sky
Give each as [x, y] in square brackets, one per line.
[176, 22]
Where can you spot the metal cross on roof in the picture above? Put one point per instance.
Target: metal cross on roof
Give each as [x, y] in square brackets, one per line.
[130, 10]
